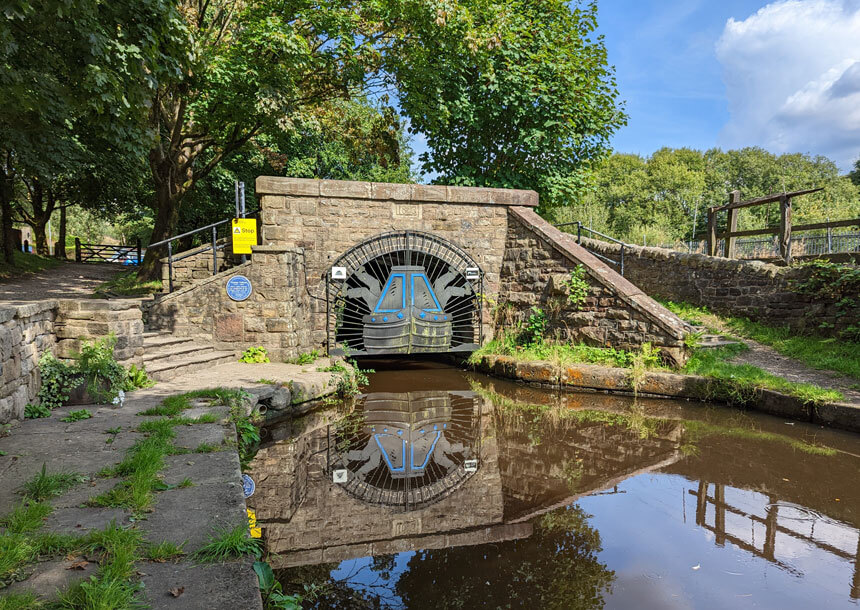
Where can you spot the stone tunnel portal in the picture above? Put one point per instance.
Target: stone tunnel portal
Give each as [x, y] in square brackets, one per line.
[404, 292]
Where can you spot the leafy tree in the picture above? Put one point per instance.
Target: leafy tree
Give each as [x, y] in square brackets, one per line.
[65, 64]
[510, 94]
[250, 66]
[659, 197]
[854, 174]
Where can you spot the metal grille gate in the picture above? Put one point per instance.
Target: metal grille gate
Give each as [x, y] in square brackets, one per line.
[359, 279]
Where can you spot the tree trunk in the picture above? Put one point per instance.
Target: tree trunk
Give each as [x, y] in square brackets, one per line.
[39, 233]
[60, 251]
[168, 197]
[7, 236]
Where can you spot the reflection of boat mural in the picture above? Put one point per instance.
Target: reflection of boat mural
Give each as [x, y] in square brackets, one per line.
[408, 313]
[412, 448]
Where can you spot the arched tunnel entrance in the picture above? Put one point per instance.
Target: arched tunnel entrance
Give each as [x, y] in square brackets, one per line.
[404, 292]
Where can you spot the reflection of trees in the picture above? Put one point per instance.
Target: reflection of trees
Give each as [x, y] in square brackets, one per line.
[557, 567]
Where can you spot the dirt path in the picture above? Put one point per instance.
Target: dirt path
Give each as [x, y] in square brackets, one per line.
[68, 280]
[770, 360]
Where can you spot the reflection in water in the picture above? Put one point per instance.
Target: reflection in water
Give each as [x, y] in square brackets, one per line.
[410, 450]
[469, 496]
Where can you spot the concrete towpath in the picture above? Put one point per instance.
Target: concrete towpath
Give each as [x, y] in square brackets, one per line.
[185, 515]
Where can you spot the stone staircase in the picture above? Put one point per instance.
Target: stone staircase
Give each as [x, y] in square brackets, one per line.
[166, 356]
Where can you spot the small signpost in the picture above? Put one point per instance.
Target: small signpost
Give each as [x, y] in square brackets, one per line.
[239, 288]
[244, 232]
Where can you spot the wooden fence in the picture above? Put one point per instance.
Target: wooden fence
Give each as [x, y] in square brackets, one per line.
[784, 230]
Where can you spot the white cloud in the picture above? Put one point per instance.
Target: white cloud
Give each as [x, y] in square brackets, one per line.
[792, 76]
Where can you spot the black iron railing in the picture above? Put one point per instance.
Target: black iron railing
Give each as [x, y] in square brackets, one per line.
[214, 246]
[580, 228]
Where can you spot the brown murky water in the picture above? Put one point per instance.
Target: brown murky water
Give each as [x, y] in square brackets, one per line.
[445, 489]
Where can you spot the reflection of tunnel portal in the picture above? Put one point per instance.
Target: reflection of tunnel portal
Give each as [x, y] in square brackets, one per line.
[403, 293]
[408, 450]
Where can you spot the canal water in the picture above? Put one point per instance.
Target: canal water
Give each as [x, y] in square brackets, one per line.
[441, 488]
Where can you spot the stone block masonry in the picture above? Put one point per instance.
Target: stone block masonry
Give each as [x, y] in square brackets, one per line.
[197, 265]
[27, 331]
[760, 291]
[539, 259]
[276, 315]
[308, 224]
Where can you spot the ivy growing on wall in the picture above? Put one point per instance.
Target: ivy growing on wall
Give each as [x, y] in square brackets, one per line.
[838, 283]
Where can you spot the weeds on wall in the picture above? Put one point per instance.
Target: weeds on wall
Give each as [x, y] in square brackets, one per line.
[95, 366]
[839, 283]
[577, 287]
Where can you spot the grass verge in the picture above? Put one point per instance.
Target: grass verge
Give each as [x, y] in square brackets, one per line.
[127, 284]
[823, 353]
[225, 544]
[26, 263]
[561, 353]
[739, 383]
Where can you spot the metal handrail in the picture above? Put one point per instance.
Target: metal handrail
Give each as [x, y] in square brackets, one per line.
[192, 232]
[580, 227]
[213, 246]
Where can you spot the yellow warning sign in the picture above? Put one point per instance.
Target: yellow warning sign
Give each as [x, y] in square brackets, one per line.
[244, 235]
[256, 532]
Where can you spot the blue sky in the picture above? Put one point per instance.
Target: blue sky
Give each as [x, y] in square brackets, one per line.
[783, 74]
[667, 69]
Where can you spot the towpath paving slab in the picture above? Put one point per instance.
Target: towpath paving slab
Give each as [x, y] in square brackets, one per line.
[183, 515]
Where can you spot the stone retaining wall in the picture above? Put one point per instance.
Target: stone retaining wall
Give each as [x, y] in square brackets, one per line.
[539, 260]
[276, 315]
[80, 320]
[753, 289]
[29, 330]
[26, 331]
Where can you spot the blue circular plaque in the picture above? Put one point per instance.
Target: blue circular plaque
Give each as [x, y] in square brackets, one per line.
[238, 288]
[248, 485]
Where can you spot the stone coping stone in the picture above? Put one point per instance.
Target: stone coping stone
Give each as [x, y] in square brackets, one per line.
[415, 193]
[665, 384]
[9, 310]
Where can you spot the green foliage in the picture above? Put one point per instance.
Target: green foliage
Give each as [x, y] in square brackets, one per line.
[534, 327]
[307, 357]
[36, 411]
[225, 544]
[577, 287]
[561, 353]
[46, 485]
[19, 601]
[740, 383]
[97, 364]
[514, 94]
[839, 283]
[825, 353]
[206, 448]
[163, 551]
[655, 200]
[273, 596]
[137, 378]
[254, 354]
[25, 263]
[28, 516]
[112, 586]
[79, 415]
[350, 379]
[127, 284]
[57, 381]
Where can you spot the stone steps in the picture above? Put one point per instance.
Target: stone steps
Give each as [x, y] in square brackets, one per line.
[166, 356]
